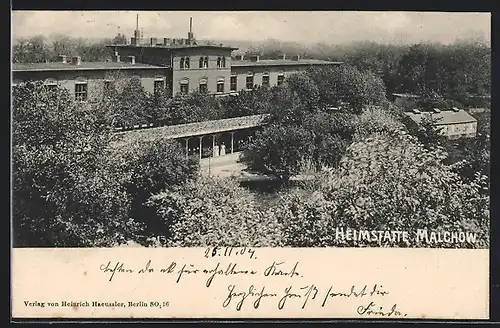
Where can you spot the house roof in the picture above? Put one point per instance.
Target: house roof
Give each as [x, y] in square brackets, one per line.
[445, 117]
[174, 46]
[281, 62]
[191, 129]
[59, 66]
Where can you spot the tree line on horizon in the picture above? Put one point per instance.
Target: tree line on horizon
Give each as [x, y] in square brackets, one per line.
[460, 71]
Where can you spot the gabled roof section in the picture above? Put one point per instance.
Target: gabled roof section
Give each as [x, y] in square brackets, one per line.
[58, 66]
[281, 62]
[444, 117]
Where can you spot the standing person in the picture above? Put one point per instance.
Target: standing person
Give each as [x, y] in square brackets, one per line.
[216, 151]
[222, 150]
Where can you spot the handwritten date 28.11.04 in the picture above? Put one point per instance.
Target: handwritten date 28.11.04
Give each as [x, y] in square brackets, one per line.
[230, 251]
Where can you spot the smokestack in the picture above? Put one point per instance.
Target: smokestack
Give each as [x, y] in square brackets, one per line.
[137, 32]
[190, 34]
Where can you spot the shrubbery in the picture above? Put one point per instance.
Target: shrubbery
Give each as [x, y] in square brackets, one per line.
[388, 183]
[215, 213]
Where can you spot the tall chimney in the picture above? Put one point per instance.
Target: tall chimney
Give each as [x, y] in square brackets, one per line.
[190, 34]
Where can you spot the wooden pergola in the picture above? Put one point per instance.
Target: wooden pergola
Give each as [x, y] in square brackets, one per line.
[197, 129]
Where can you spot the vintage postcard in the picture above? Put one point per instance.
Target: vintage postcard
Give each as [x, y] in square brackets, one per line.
[319, 164]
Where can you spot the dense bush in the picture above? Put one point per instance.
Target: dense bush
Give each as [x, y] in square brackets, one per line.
[148, 168]
[278, 150]
[388, 183]
[214, 213]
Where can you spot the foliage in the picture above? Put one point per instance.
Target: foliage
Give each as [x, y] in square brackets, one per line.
[194, 107]
[387, 183]
[375, 120]
[214, 213]
[65, 190]
[38, 49]
[427, 131]
[345, 86]
[151, 167]
[278, 150]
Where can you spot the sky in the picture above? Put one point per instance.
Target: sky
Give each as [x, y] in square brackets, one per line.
[331, 27]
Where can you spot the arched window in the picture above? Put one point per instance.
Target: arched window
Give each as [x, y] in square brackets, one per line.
[203, 85]
[265, 79]
[220, 85]
[223, 61]
[184, 86]
[205, 62]
[81, 89]
[182, 63]
[200, 63]
[159, 84]
[281, 78]
[50, 83]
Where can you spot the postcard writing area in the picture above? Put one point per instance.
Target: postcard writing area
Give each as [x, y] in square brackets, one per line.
[257, 282]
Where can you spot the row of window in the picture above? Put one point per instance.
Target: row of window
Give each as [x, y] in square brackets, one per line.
[202, 62]
[233, 83]
[81, 87]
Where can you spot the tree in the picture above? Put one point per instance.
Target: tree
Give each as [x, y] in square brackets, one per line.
[278, 150]
[66, 191]
[119, 39]
[214, 213]
[345, 86]
[152, 167]
[428, 132]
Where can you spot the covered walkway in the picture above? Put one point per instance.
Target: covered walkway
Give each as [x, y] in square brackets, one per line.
[203, 139]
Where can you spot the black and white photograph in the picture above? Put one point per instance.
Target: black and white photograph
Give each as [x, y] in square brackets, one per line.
[227, 130]
[192, 129]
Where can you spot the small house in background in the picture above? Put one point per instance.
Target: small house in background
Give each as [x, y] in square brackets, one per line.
[455, 123]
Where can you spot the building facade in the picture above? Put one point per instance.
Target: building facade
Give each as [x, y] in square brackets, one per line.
[454, 124]
[88, 80]
[176, 64]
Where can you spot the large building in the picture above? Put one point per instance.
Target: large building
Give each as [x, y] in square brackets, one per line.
[178, 65]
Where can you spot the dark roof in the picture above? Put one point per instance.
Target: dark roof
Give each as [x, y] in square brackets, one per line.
[445, 117]
[173, 46]
[191, 129]
[58, 66]
[281, 62]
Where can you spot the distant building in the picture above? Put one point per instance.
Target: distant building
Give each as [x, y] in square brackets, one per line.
[455, 123]
[177, 64]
